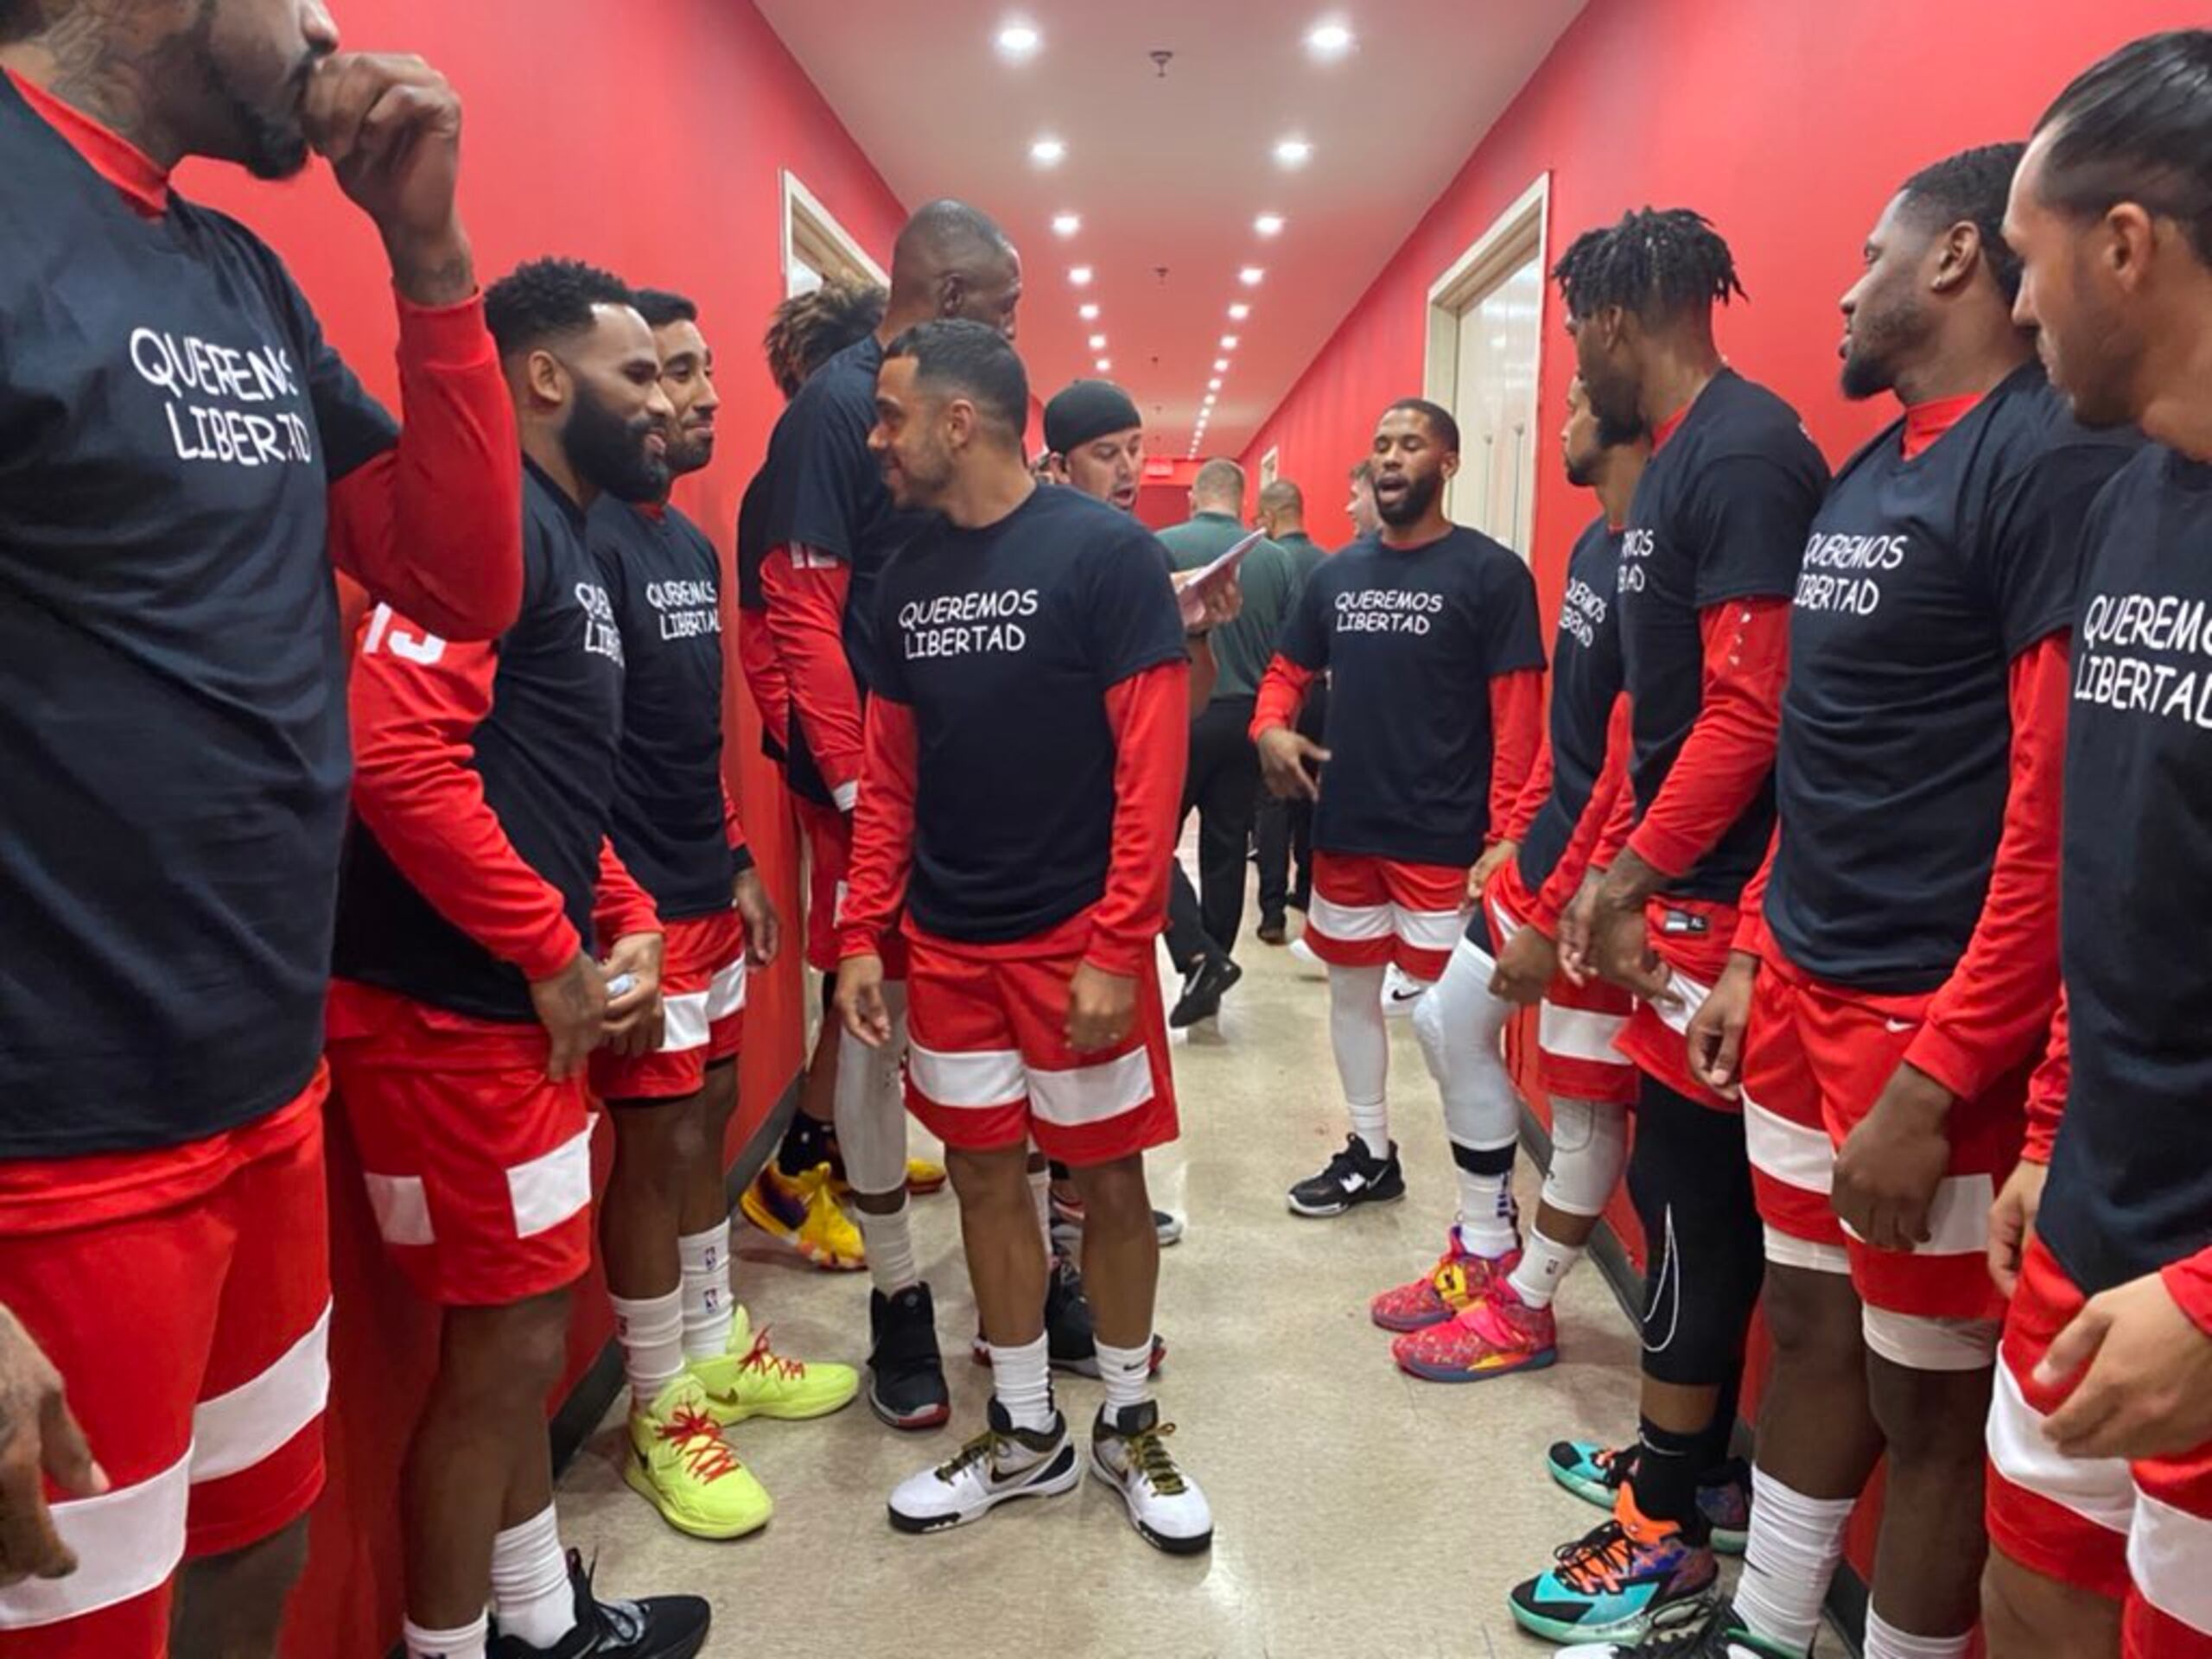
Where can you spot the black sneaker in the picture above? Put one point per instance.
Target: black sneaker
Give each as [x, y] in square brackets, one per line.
[1068, 1330]
[906, 1376]
[1203, 987]
[1068, 1218]
[1275, 929]
[1694, 1630]
[1353, 1176]
[660, 1627]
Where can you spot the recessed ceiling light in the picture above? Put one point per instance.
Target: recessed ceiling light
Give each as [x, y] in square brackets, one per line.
[1088, 313]
[1292, 152]
[1268, 224]
[1251, 275]
[1066, 224]
[1105, 365]
[1079, 275]
[1048, 152]
[1018, 41]
[1239, 311]
[1221, 366]
[1328, 40]
[1228, 342]
[1098, 342]
[1214, 384]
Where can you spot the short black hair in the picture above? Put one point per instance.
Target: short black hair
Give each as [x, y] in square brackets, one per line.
[1657, 263]
[1971, 188]
[542, 299]
[1438, 418]
[972, 360]
[660, 306]
[2136, 126]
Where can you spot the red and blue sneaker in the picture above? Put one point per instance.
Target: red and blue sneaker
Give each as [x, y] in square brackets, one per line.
[1609, 1585]
[1495, 1337]
[1456, 1282]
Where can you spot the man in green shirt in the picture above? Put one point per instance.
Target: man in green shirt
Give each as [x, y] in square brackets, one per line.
[1224, 776]
[1282, 827]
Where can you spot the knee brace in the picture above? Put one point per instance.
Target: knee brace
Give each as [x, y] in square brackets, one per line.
[1589, 1150]
[869, 1111]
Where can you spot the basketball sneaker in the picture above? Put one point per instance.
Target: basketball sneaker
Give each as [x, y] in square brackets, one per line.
[1493, 1337]
[1129, 1454]
[680, 1466]
[750, 1379]
[1689, 1630]
[1002, 1464]
[1353, 1176]
[1068, 1217]
[803, 1211]
[1609, 1584]
[1595, 1473]
[1459, 1279]
[906, 1374]
[659, 1627]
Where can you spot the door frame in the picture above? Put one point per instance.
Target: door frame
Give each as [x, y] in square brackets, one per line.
[1522, 232]
[804, 222]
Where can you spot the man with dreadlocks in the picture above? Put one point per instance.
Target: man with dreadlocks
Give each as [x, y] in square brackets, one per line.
[1708, 561]
[1889, 995]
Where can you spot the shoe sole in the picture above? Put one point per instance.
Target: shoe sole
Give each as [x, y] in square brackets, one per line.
[1726, 1541]
[1298, 1209]
[640, 1483]
[1624, 1632]
[1052, 1485]
[1161, 1542]
[1542, 1362]
[929, 1417]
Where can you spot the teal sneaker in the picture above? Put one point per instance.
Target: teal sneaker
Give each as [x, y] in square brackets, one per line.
[1609, 1585]
[1594, 1472]
[1689, 1630]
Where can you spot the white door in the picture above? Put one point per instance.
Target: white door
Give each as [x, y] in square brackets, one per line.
[1494, 399]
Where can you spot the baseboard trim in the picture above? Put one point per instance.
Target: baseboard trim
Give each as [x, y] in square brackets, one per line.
[1847, 1599]
[585, 1404]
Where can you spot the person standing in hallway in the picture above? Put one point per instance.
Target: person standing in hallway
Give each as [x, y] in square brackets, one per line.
[828, 530]
[1282, 831]
[1430, 635]
[1360, 508]
[1022, 773]
[1223, 784]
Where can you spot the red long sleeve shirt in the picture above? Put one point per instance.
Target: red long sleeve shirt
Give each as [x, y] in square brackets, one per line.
[1565, 878]
[807, 594]
[1516, 724]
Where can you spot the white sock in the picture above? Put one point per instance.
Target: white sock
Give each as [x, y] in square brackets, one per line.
[1127, 1373]
[1022, 1379]
[1490, 1222]
[890, 1241]
[651, 1331]
[1796, 1544]
[1040, 1188]
[465, 1642]
[1361, 1039]
[709, 1306]
[529, 1582]
[1544, 1263]
[1885, 1640]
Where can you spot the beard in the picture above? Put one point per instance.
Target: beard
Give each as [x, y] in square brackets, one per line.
[609, 453]
[1411, 504]
[267, 136]
[689, 451]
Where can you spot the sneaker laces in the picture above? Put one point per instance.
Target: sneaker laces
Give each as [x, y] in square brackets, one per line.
[1149, 1456]
[698, 1440]
[1348, 1162]
[1683, 1631]
[768, 1363]
[984, 1446]
[1598, 1560]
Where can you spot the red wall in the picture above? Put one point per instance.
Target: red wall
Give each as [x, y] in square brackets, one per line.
[1788, 125]
[654, 149]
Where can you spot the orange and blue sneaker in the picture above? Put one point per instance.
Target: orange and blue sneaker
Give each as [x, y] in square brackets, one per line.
[1495, 1337]
[1456, 1282]
[1594, 1471]
[803, 1211]
[1609, 1586]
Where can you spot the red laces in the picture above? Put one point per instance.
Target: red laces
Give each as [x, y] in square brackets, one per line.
[763, 1359]
[705, 1453]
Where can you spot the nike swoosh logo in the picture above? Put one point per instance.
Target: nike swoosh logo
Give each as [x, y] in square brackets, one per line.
[1408, 996]
[1355, 1183]
[1898, 1028]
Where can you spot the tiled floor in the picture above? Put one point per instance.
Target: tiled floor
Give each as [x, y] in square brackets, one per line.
[1358, 1512]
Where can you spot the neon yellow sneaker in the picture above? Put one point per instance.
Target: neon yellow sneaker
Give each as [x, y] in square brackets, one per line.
[681, 1467]
[752, 1380]
[803, 1213]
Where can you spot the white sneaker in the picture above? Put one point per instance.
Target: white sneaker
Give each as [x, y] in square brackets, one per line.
[1001, 1464]
[1302, 954]
[1165, 1505]
[1401, 993]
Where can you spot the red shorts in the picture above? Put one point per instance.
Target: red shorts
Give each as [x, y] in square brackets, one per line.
[703, 985]
[2140, 1533]
[1815, 1059]
[1693, 937]
[184, 1295]
[1577, 1026]
[1369, 911]
[828, 859]
[478, 1169]
[988, 1065]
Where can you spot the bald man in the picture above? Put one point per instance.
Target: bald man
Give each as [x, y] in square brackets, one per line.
[1281, 828]
[1223, 784]
[830, 527]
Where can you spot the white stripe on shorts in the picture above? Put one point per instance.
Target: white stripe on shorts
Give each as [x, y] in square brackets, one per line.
[1352, 924]
[1689, 996]
[552, 1188]
[1958, 1218]
[1578, 1035]
[1790, 1153]
[2167, 1550]
[691, 1016]
[1085, 1095]
[2100, 1491]
[988, 1079]
[238, 1430]
[127, 1542]
[1429, 930]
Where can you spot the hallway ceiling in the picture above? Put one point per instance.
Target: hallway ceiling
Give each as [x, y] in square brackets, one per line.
[1172, 171]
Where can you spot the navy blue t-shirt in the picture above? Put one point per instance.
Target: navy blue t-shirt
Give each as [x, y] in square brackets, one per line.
[1720, 514]
[1923, 579]
[546, 752]
[2131, 1179]
[172, 681]
[1411, 638]
[1586, 684]
[664, 578]
[1004, 641]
